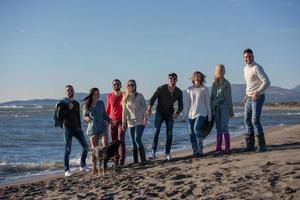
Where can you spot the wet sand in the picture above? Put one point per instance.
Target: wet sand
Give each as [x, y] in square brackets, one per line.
[274, 174]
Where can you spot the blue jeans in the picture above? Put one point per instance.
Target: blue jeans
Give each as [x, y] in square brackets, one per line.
[159, 119]
[252, 115]
[195, 127]
[136, 134]
[78, 134]
[222, 118]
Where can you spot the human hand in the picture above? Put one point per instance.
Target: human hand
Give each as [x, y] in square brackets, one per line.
[175, 115]
[146, 121]
[124, 126]
[254, 96]
[245, 99]
[231, 113]
[87, 119]
[149, 110]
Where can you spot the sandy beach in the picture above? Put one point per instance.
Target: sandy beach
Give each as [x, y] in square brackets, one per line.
[274, 174]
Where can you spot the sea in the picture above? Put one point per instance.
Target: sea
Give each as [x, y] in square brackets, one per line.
[31, 146]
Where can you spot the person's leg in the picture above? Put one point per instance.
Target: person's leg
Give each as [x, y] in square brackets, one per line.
[82, 141]
[193, 139]
[122, 148]
[68, 146]
[138, 139]
[94, 140]
[114, 136]
[198, 130]
[224, 126]
[249, 126]
[257, 109]
[158, 122]
[218, 127]
[169, 131]
[132, 131]
[104, 139]
[138, 135]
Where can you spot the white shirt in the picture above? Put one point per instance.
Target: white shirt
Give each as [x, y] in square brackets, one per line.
[198, 102]
[256, 79]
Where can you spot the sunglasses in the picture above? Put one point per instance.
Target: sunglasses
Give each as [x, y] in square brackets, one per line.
[173, 78]
[131, 85]
[116, 84]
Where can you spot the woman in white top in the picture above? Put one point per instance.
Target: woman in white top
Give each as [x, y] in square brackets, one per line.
[198, 111]
[134, 117]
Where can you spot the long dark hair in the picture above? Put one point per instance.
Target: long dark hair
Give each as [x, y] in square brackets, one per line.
[89, 99]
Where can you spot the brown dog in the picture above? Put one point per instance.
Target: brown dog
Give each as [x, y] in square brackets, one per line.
[103, 155]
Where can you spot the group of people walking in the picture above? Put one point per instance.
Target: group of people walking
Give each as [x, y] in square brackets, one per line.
[128, 111]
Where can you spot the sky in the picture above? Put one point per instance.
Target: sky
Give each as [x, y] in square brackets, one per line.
[45, 45]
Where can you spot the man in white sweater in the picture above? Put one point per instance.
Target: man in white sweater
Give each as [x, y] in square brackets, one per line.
[256, 83]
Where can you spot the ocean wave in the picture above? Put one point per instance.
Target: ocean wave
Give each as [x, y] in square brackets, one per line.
[28, 167]
[8, 167]
[12, 106]
[20, 116]
[33, 106]
[241, 114]
[37, 106]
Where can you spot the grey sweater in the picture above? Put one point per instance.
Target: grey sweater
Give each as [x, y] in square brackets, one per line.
[134, 110]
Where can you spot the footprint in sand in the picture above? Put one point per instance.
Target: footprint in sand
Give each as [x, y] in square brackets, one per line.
[218, 176]
[273, 179]
[159, 188]
[178, 182]
[294, 162]
[179, 176]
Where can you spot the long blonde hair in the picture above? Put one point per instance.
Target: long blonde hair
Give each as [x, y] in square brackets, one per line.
[126, 92]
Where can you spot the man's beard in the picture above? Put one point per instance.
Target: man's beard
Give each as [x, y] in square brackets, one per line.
[117, 89]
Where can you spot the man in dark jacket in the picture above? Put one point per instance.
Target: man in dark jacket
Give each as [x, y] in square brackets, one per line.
[69, 113]
[166, 95]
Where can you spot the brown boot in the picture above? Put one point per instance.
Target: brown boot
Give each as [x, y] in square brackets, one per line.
[142, 154]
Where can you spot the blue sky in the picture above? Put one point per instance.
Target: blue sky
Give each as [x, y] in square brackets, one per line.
[45, 45]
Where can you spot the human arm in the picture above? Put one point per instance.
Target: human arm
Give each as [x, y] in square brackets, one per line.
[108, 106]
[86, 114]
[265, 82]
[104, 113]
[152, 100]
[124, 117]
[143, 108]
[207, 104]
[228, 97]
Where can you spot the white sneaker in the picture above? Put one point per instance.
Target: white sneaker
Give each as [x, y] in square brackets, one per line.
[85, 169]
[152, 156]
[68, 173]
[168, 157]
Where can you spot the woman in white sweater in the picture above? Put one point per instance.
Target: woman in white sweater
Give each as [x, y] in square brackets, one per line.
[135, 118]
[198, 111]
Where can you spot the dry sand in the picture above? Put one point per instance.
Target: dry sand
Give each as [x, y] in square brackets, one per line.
[274, 174]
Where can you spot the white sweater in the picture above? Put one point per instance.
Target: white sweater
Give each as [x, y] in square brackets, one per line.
[198, 102]
[256, 79]
[134, 111]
